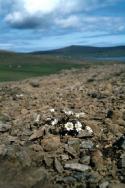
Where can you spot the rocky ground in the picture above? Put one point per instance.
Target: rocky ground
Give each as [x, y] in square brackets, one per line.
[65, 130]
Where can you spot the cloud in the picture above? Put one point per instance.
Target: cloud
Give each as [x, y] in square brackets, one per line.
[28, 14]
[71, 21]
[44, 24]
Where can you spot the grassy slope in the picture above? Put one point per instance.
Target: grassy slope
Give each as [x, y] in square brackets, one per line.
[20, 66]
[17, 66]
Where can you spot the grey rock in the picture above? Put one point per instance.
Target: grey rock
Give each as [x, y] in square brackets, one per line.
[75, 143]
[123, 115]
[104, 185]
[92, 180]
[58, 166]
[34, 83]
[3, 150]
[64, 157]
[24, 158]
[4, 127]
[69, 180]
[87, 144]
[117, 185]
[84, 134]
[122, 160]
[4, 118]
[85, 160]
[123, 145]
[77, 167]
[70, 151]
[37, 134]
[47, 161]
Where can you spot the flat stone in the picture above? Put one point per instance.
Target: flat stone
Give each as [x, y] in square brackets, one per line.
[51, 143]
[122, 160]
[4, 127]
[85, 160]
[123, 115]
[24, 158]
[34, 83]
[77, 167]
[104, 185]
[37, 134]
[3, 150]
[75, 143]
[87, 144]
[85, 134]
[47, 161]
[97, 159]
[58, 166]
[36, 147]
[70, 151]
[64, 157]
[117, 185]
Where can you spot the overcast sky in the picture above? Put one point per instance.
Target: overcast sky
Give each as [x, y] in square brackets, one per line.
[31, 25]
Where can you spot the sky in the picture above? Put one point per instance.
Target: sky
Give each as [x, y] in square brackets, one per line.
[33, 25]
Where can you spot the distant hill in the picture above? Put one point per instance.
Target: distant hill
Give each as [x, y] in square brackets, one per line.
[85, 51]
[17, 66]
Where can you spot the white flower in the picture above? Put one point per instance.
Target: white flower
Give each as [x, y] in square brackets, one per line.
[19, 96]
[80, 115]
[69, 126]
[54, 122]
[52, 110]
[37, 118]
[68, 113]
[89, 129]
[78, 126]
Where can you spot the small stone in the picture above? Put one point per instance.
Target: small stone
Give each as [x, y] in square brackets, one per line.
[77, 167]
[4, 127]
[97, 159]
[121, 122]
[75, 143]
[122, 161]
[93, 179]
[87, 144]
[51, 143]
[37, 134]
[12, 139]
[34, 83]
[70, 151]
[117, 185]
[85, 160]
[3, 150]
[120, 143]
[104, 185]
[80, 115]
[36, 147]
[24, 158]
[69, 180]
[64, 157]
[85, 134]
[109, 114]
[123, 115]
[4, 118]
[47, 161]
[123, 145]
[58, 166]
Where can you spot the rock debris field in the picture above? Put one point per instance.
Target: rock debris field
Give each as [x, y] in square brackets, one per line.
[65, 130]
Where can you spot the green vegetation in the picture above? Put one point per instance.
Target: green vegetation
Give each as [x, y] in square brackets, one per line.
[21, 66]
[18, 66]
